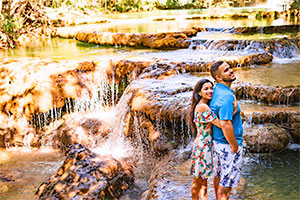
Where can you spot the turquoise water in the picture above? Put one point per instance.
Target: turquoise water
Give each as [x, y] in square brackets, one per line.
[271, 177]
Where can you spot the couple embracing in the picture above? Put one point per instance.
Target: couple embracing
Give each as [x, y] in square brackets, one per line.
[215, 116]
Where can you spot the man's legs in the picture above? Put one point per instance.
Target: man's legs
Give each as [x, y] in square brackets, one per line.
[216, 185]
[227, 170]
[223, 193]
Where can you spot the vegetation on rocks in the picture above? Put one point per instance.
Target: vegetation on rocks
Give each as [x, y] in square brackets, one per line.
[19, 17]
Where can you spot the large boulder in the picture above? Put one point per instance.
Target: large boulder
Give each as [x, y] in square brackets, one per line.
[265, 138]
[86, 175]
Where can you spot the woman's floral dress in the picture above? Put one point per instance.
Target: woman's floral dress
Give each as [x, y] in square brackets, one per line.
[202, 163]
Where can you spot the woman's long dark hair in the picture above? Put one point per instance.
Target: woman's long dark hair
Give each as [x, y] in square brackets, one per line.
[195, 100]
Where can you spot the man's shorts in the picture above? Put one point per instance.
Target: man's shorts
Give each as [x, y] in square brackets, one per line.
[228, 166]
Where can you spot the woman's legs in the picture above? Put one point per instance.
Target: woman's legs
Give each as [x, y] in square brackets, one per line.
[199, 189]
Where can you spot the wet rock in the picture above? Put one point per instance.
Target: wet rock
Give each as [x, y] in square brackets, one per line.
[15, 133]
[160, 108]
[86, 131]
[265, 138]
[295, 127]
[131, 70]
[32, 95]
[126, 71]
[87, 175]
[289, 95]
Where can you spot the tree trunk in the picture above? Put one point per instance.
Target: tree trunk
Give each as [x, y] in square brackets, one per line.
[0, 6]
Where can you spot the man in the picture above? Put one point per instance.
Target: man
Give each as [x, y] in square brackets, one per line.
[227, 140]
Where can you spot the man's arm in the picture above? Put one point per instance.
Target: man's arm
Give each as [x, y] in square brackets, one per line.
[228, 131]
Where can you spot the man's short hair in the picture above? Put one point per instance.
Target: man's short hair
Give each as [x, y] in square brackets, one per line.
[214, 68]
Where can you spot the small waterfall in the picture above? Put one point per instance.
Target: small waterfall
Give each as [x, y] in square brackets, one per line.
[281, 48]
[102, 94]
[248, 123]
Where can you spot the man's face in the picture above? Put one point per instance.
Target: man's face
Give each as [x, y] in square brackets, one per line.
[226, 73]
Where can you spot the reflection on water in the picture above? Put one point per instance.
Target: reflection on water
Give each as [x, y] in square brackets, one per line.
[274, 75]
[271, 177]
[66, 49]
[23, 170]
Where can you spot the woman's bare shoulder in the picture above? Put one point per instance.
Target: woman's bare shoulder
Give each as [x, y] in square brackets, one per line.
[201, 107]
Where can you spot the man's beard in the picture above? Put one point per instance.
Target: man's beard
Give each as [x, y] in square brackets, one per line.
[229, 80]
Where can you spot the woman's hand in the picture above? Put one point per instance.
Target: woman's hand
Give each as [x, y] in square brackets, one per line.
[234, 106]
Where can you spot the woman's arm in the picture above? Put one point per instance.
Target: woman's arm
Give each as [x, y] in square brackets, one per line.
[204, 107]
[234, 106]
[216, 122]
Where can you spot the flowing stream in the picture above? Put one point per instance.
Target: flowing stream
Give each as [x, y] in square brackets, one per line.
[264, 177]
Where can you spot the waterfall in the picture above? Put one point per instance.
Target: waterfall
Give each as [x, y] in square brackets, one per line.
[280, 48]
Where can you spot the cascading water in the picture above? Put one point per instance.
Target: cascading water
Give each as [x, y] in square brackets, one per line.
[279, 48]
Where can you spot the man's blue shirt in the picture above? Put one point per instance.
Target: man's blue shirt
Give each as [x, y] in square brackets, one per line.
[222, 105]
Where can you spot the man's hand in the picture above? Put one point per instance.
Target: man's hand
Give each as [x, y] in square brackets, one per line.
[228, 131]
[234, 148]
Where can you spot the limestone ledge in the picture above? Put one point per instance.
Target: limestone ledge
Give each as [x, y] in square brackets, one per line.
[282, 119]
[177, 40]
[161, 106]
[39, 87]
[289, 95]
[156, 41]
[132, 70]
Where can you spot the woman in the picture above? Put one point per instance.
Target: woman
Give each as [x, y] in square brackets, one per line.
[201, 120]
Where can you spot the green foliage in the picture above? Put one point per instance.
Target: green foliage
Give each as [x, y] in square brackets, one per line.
[10, 27]
[295, 4]
[123, 5]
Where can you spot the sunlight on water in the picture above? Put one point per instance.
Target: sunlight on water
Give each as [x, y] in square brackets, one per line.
[64, 49]
[22, 170]
[272, 75]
